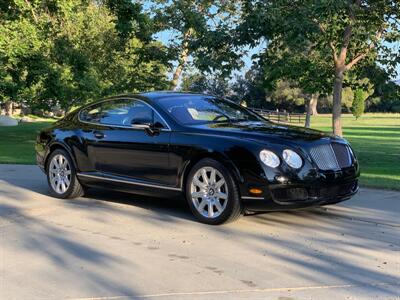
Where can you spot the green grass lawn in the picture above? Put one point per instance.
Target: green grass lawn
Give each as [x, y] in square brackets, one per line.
[17, 142]
[375, 139]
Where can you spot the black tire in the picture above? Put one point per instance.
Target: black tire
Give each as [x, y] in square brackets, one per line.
[234, 207]
[75, 189]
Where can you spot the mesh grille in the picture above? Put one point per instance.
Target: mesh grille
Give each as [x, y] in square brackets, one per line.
[324, 157]
[342, 155]
[331, 156]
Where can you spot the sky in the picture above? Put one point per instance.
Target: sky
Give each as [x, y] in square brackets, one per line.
[167, 35]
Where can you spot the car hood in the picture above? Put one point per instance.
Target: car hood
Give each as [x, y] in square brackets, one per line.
[266, 132]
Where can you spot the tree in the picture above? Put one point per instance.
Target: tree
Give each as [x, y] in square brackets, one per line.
[200, 83]
[346, 33]
[22, 52]
[358, 103]
[386, 93]
[250, 89]
[363, 89]
[198, 29]
[347, 98]
[131, 20]
[72, 51]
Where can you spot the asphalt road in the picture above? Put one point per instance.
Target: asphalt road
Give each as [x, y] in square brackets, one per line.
[119, 246]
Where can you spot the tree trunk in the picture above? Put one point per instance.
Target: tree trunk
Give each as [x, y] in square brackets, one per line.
[9, 108]
[182, 60]
[337, 103]
[313, 104]
[311, 109]
[179, 68]
[308, 113]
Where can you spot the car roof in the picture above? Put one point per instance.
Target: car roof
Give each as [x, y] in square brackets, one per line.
[160, 95]
[154, 96]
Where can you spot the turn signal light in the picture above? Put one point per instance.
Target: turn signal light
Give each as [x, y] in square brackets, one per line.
[255, 191]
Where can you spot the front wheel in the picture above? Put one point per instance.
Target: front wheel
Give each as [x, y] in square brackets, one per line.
[212, 194]
[61, 176]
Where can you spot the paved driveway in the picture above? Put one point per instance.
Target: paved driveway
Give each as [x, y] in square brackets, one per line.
[119, 246]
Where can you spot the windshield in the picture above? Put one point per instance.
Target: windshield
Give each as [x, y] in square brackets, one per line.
[193, 110]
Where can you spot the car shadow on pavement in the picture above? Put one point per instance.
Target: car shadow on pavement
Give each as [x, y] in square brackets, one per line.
[342, 238]
[317, 246]
[161, 209]
[328, 245]
[42, 240]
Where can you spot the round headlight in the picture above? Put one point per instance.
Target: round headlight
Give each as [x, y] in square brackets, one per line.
[269, 158]
[292, 158]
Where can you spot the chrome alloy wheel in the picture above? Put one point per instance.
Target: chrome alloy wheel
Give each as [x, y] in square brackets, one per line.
[209, 192]
[60, 174]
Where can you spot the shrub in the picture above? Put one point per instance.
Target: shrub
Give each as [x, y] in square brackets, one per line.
[358, 103]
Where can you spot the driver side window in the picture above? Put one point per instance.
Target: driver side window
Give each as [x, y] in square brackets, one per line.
[122, 112]
[140, 114]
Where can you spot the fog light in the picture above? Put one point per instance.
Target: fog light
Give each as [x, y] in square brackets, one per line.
[255, 191]
[281, 179]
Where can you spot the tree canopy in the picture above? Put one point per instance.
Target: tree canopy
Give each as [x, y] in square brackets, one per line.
[59, 53]
[346, 34]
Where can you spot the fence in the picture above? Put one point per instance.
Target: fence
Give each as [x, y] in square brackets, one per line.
[280, 116]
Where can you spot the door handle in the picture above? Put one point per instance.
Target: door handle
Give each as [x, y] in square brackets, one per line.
[99, 134]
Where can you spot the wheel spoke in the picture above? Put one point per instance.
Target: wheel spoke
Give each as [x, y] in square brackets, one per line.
[204, 176]
[218, 206]
[67, 181]
[198, 183]
[64, 163]
[58, 188]
[221, 195]
[59, 162]
[210, 210]
[202, 204]
[219, 184]
[197, 195]
[67, 172]
[212, 176]
[55, 162]
[63, 187]
[53, 182]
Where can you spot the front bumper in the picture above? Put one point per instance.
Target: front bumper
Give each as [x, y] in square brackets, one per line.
[292, 197]
[311, 188]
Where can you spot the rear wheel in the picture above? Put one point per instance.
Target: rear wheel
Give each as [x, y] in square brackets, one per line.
[61, 176]
[212, 194]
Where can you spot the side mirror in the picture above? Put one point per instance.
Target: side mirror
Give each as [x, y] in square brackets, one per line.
[150, 128]
[153, 129]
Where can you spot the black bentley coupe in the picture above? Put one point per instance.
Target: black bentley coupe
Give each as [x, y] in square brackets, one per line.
[222, 157]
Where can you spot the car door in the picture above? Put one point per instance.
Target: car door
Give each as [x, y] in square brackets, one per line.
[124, 142]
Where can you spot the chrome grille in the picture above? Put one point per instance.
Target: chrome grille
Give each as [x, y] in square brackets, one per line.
[331, 156]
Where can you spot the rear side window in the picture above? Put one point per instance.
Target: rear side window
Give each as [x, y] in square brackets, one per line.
[121, 112]
[108, 112]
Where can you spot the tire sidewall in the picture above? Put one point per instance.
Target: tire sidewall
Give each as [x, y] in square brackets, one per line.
[73, 174]
[233, 198]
